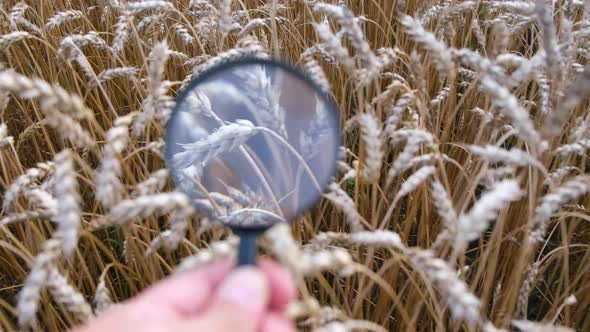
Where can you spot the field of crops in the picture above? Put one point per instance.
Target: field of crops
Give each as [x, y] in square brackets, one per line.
[461, 201]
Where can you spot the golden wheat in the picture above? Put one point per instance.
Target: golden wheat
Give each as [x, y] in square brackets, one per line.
[461, 201]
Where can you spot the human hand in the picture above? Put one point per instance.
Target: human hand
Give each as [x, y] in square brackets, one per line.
[214, 298]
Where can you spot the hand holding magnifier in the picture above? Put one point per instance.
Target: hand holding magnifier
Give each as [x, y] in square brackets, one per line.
[253, 143]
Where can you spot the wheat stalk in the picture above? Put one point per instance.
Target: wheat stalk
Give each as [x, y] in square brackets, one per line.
[11, 38]
[51, 97]
[396, 113]
[102, 296]
[509, 106]
[529, 326]
[439, 98]
[225, 17]
[527, 286]
[352, 30]
[570, 99]
[414, 181]
[334, 47]
[67, 296]
[42, 200]
[462, 303]
[48, 95]
[73, 44]
[226, 138]
[312, 263]
[26, 216]
[414, 138]
[246, 47]
[112, 73]
[344, 203]
[170, 239]
[480, 64]
[411, 183]
[24, 181]
[16, 19]
[527, 69]
[68, 201]
[145, 206]
[157, 103]
[184, 34]
[217, 250]
[264, 94]
[371, 135]
[520, 7]
[313, 68]
[486, 209]
[476, 97]
[437, 50]
[496, 154]
[557, 176]
[135, 8]
[445, 209]
[154, 183]
[379, 238]
[109, 189]
[252, 25]
[551, 202]
[545, 17]
[28, 298]
[122, 31]
[63, 17]
[5, 140]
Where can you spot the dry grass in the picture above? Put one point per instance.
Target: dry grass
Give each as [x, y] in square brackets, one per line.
[462, 198]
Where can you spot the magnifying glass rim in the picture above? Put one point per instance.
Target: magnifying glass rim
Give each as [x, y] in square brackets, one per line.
[330, 104]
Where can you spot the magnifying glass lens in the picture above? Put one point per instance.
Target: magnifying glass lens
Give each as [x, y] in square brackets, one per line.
[253, 143]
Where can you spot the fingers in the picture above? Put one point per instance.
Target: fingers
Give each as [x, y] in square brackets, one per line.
[219, 297]
[282, 287]
[275, 322]
[182, 295]
[272, 322]
[239, 303]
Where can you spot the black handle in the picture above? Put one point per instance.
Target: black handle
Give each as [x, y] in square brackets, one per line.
[247, 250]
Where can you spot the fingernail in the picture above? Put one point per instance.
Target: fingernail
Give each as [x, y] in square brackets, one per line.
[246, 287]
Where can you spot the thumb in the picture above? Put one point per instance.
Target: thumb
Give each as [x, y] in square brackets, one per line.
[239, 303]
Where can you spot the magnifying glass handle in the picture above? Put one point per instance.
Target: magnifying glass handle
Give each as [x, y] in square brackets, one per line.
[247, 249]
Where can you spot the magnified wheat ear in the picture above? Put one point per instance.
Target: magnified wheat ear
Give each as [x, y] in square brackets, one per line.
[226, 138]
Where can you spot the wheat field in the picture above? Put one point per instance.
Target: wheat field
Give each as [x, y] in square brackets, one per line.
[461, 200]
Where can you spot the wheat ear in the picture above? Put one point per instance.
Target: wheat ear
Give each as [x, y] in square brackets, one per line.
[102, 296]
[67, 296]
[551, 202]
[28, 298]
[68, 201]
[146, 206]
[463, 304]
[63, 17]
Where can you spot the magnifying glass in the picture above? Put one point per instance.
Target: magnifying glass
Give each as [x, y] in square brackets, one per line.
[252, 142]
